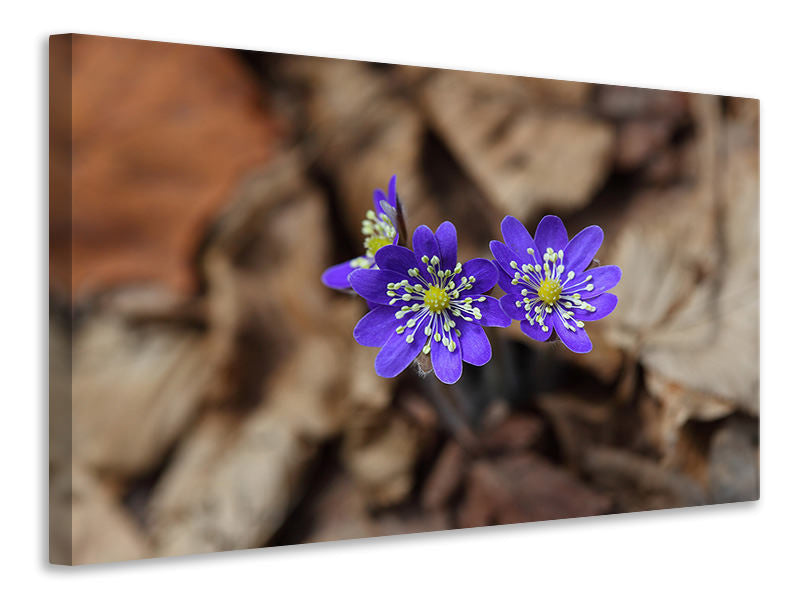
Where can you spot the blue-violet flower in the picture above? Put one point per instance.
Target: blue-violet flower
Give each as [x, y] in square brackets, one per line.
[379, 229]
[547, 284]
[430, 303]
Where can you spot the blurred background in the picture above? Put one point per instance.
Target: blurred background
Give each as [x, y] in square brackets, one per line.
[205, 390]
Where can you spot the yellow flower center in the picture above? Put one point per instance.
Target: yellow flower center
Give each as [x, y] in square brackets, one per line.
[375, 243]
[550, 291]
[436, 299]
[378, 232]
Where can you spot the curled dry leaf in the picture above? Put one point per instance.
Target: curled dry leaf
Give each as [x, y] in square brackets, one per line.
[524, 159]
[689, 295]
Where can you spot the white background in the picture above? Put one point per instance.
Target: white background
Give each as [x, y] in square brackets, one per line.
[746, 49]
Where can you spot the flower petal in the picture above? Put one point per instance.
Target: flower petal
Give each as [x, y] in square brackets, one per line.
[397, 354]
[475, 347]
[578, 341]
[535, 331]
[396, 258]
[336, 276]
[425, 244]
[391, 191]
[376, 326]
[446, 364]
[448, 245]
[581, 249]
[603, 279]
[504, 255]
[604, 306]
[378, 195]
[370, 284]
[551, 233]
[508, 304]
[504, 281]
[491, 313]
[519, 239]
[484, 272]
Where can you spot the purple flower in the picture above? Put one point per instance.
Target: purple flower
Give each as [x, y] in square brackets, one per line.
[379, 229]
[428, 302]
[547, 284]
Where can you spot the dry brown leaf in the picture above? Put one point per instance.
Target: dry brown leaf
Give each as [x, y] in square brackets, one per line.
[523, 159]
[340, 513]
[578, 424]
[445, 478]
[638, 483]
[134, 382]
[525, 487]
[622, 102]
[639, 140]
[364, 131]
[160, 135]
[381, 456]
[711, 343]
[733, 462]
[689, 293]
[241, 497]
[102, 530]
[516, 433]
[380, 444]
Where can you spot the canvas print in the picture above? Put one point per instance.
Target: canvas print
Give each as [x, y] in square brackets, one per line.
[299, 299]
